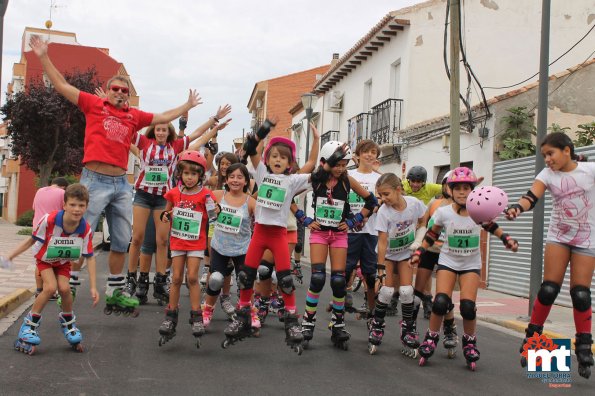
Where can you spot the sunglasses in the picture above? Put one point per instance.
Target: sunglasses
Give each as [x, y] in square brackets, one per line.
[117, 88]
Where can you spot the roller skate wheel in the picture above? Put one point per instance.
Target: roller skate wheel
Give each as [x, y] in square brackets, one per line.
[584, 371]
[422, 361]
[126, 314]
[344, 346]
[107, 311]
[298, 349]
[135, 313]
[198, 343]
[306, 344]
[471, 366]
[411, 353]
[523, 361]
[162, 340]
[372, 349]
[117, 312]
[225, 344]
[78, 348]
[452, 353]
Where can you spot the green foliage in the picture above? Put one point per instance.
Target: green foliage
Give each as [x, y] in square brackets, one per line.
[25, 231]
[26, 219]
[585, 135]
[557, 128]
[516, 139]
[47, 131]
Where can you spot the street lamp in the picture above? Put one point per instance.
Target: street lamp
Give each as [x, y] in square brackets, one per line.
[308, 102]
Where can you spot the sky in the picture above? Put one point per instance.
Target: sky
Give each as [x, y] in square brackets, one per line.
[221, 48]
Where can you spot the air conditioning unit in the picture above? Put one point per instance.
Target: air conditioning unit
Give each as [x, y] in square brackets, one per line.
[335, 101]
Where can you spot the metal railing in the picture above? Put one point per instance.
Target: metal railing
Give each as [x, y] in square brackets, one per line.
[328, 136]
[385, 121]
[358, 128]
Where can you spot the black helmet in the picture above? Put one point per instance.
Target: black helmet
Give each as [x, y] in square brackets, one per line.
[417, 173]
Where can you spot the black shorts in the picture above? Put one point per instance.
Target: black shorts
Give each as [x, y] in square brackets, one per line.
[428, 260]
[221, 263]
[463, 272]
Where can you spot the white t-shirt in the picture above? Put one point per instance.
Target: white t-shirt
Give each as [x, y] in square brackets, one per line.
[573, 217]
[400, 227]
[460, 250]
[368, 181]
[275, 194]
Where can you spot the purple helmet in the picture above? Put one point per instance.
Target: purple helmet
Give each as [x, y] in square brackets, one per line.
[485, 203]
[461, 175]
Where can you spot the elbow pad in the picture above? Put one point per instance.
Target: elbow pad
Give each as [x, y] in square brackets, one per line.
[370, 203]
[491, 227]
[531, 198]
[264, 129]
[319, 176]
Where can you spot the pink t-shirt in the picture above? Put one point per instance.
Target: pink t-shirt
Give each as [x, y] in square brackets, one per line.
[47, 200]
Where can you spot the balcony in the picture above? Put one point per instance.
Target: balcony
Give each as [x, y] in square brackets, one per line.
[328, 136]
[358, 128]
[385, 121]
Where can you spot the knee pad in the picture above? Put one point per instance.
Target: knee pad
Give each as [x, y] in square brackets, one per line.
[216, 281]
[338, 283]
[406, 294]
[246, 277]
[318, 278]
[370, 280]
[298, 248]
[265, 270]
[274, 277]
[386, 294]
[442, 304]
[468, 309]
[581, 298]
[286, 282]
[548, 292]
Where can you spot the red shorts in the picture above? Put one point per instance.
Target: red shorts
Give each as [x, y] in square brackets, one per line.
[292, 237]
[59, 269]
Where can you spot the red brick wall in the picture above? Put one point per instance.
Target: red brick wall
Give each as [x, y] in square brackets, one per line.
[285, 92]
[27, 190]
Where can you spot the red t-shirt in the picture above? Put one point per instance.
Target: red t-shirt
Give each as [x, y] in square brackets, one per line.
[109, 130]
[188, 230]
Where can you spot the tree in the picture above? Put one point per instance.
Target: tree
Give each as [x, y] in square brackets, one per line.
[48, 131]
[516, 139]
[585, 134]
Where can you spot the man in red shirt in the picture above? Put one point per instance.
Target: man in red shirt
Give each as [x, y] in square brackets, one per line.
[111, 125]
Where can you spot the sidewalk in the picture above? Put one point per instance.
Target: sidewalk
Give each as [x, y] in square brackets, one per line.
[18, 285]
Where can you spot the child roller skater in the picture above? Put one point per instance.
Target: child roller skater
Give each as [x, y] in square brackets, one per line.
[328, 238]
[398, 221]
[459, 258]
[60, 237]
[570, 239]
[275, 193]
[187, 212]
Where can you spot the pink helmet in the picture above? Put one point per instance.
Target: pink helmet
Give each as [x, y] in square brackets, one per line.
[461, 175]
[485, 203]
[193, 156]
[283, 140]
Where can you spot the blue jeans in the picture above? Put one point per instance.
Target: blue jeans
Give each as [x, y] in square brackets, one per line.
[114, 195]
[149, 244]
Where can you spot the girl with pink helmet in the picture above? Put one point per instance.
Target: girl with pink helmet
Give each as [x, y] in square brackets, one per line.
[276, 189]
[460, 258]
[570, 239]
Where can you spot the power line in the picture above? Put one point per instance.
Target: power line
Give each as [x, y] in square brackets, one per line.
[557, 59]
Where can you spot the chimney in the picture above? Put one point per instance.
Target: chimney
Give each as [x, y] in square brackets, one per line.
[335, 59]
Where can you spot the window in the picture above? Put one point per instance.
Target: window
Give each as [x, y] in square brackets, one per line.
[367, 95]
[395, 80]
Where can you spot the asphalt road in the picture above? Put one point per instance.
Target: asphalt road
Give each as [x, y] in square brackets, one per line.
[122, 356]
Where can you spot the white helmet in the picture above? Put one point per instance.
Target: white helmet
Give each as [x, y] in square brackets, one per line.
[446, 176]
[330, 147]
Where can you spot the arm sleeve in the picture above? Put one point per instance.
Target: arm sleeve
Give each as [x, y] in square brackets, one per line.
[86, 101]
[88, 243]
[543, 176]
[40, 232]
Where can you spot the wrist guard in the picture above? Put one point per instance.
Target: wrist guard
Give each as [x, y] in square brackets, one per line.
[182, 123]
[213, 147]
[264, 129]
[505, 238]
[381, 267]
[431, 237]
[490, 227]
[370, 203]
[531, 198]
[250, 146]
[355, 222]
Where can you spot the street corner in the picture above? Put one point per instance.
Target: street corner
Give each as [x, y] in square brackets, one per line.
[14, 299]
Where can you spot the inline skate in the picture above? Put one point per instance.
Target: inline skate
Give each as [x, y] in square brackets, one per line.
[239, 328]
[71, 332]
[167, 330]
[227, 305]
[409, 338]
[308, 324]
[198, 327]
[28, 339]
[263, 308]
[376, 332]
[427, 348]
[584, 354]
[339, 336]
[143, 288]
[121, 303]
[530, 331]
[470, 350]
[293, 332]
[451, 341]
[160, 290]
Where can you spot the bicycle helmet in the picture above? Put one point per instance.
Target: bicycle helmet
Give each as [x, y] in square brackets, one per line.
[484, 204]
[194, 156]
[330, 147]
[461, 175]
[282, 140]
[417, 173]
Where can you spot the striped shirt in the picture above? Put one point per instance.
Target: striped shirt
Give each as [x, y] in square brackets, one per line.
[53, 245]
[157, 163]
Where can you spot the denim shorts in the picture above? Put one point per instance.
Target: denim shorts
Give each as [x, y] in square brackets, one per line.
[362, 247]
[149, 201]
[114, 195]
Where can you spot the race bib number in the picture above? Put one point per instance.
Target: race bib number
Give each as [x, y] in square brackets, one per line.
[229, 219]
[356, 202]
[463, 242]
[401, 240]
[328, 214]
[272, 192]
[63, 248]
[186, 224]
[156, 176]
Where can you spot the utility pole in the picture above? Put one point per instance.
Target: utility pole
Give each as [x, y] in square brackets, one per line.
[455, 105]
[538, 211]
[3, 6]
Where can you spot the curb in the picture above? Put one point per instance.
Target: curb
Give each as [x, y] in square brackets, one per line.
[14, 299]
